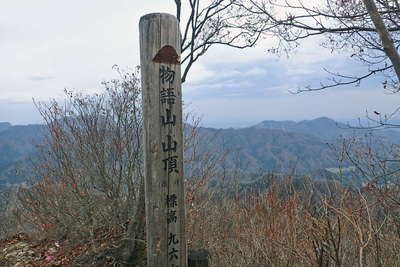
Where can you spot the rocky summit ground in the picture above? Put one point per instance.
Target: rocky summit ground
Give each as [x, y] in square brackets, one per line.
[24, 251]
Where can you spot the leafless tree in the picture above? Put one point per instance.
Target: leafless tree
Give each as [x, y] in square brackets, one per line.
[369, 29]
[90, 174]
[215, 22]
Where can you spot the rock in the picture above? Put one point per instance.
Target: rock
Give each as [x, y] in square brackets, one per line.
[12, 254]
[31, 253]
[52, 250]
[16, 246]
[17, 255]
[56, 263]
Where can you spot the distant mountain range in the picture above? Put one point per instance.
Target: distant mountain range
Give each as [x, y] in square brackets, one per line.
[326, 129]
[17, 145]
[270, 146]
[4, 126]
[257, 149]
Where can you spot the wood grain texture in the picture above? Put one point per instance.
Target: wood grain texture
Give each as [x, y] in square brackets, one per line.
[163, 141]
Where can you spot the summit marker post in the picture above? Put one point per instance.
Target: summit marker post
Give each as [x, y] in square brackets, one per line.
[160, 50]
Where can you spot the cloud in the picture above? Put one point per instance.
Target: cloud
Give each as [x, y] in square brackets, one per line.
[246, 111]
[19, 112]
[76, 42]
[40, 78]
[199, 73]
[224, 84]
[48, 46]
[202, 75]
[256, 71]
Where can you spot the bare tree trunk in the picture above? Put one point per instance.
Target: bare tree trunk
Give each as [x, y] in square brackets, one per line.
[178, 9]
[386, 39]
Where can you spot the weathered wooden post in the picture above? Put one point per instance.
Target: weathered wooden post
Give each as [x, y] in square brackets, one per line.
[160, 43]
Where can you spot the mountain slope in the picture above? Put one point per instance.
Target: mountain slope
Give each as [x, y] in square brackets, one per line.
[267, 150]
[271, 146]
[4, 126]
[326, 129]
[17, 144]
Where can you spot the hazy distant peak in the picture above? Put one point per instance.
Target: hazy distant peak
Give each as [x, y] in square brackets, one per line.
[317, 121]
[4, 126]
[274, 121]
[324, 119]
[268, 123]
[322, 127]
[320, 120]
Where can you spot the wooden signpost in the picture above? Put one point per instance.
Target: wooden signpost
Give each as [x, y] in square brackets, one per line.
[160, 44]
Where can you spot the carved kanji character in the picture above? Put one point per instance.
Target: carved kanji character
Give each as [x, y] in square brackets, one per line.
[166, 74]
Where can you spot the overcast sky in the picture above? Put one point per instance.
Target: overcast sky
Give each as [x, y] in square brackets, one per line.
[47, 45]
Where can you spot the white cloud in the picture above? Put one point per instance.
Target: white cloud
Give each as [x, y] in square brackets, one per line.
[47, 45]
[231, 56]
[341, 104]
[256, 71]
[224, 84]
[74, 42]
[203, 78]
[27, 112]
[198, 73]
